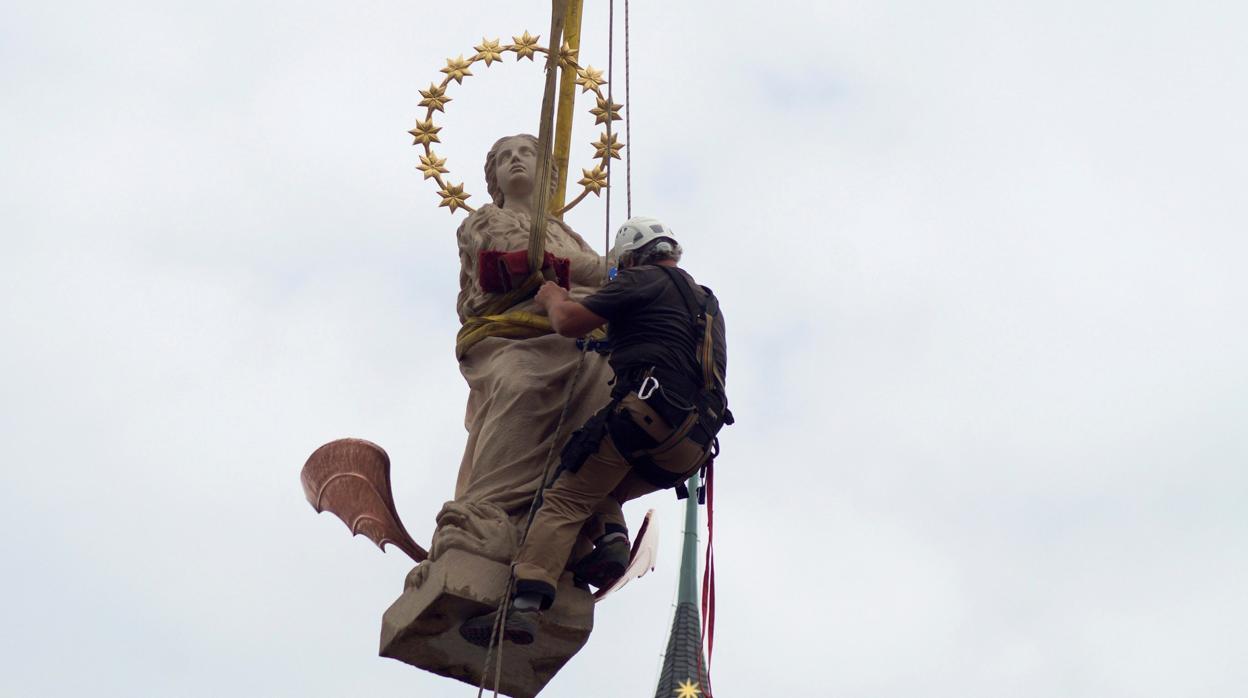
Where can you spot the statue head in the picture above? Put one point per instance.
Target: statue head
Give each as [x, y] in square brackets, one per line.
[511, 168]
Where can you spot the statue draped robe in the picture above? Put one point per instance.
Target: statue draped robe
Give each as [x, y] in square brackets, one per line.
[517, 391]
[518, 387]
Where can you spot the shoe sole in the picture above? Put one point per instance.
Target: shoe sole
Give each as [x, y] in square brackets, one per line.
[600, 574]
[479, 635]
[519, 636]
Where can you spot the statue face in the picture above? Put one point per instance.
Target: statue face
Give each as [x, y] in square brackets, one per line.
[514, 166]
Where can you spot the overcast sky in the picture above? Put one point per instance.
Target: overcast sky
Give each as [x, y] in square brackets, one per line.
[983, 265]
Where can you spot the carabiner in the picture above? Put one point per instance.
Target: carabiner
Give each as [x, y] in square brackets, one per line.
[648, 387]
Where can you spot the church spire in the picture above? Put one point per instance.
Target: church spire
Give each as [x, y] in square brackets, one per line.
[684, 669]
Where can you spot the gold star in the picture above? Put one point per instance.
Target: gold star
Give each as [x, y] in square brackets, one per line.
[567, 55]
[524, 46]
[606, 111]
[589, 78]
[425, 132]
[688, 689]
[594, 180]
[432, 165]
[435, 98]
[457, 69]
[488, 51]
[607, 145]
[453, 196]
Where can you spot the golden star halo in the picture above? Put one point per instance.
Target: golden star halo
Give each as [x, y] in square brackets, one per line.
[453, 196]
[432, 165]
[525, 45]
[567, 56]
[457, 69]
[425, 132]
[607, 145]
[435, 98]
[595, 180]
[489, 51]
[589, 78]
[606, 111]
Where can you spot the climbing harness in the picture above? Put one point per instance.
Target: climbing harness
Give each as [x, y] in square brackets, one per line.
[711, 402]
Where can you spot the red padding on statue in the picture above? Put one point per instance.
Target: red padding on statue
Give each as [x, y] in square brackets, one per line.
[516, 265]
[562, 267]
[499, 272]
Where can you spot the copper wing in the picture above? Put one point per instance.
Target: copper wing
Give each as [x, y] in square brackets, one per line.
[350, 478]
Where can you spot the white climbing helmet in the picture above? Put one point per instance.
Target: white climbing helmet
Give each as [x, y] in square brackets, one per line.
[637, 232]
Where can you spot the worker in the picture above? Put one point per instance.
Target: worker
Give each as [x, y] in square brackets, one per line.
[668, 352]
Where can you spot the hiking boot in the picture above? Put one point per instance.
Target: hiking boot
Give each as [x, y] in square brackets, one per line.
[604, 565]
[520, 628]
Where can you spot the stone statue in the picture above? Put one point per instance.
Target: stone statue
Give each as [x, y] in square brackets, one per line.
[518, 387]
[520, 380]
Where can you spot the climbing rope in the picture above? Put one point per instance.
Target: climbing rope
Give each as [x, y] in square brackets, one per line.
[628, 121]
[606, 263]
[549, 473]
[496, 640]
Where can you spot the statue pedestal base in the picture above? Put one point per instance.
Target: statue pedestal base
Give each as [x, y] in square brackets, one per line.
[421, 627]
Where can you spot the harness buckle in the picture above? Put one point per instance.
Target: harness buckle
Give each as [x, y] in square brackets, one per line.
[648, 387]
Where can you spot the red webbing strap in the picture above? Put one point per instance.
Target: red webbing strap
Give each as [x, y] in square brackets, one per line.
[708, 574]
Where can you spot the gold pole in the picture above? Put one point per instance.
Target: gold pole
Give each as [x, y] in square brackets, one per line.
[567, 98]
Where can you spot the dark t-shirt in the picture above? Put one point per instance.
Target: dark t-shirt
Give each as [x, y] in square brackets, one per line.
[650, 325]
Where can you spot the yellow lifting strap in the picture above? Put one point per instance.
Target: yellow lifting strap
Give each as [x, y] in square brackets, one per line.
[516, 324]
[496, 319]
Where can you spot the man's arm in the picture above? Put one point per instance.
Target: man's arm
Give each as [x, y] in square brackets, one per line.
[568, 317]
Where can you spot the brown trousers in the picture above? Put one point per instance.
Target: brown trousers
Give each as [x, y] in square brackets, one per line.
[590, 498]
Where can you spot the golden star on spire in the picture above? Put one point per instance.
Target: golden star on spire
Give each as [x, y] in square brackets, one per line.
[434, 98]
[453, 196]
[567, 55]
[432, 165]
[524, 46]
[425, 132]
[457, 69]
[594, 180]
[688, 689]
[488, 51]
[589, 78]
[606, 111]
[607, 144]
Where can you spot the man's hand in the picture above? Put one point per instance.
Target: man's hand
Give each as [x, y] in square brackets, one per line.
[550, 294]
[567, 317]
